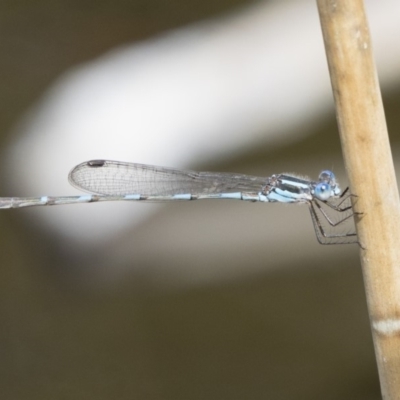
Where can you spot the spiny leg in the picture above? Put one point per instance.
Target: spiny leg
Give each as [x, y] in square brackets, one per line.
[343, 197]
[325, 238]
[328, 218]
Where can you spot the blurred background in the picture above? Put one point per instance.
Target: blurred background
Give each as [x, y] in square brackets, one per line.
[215, 300]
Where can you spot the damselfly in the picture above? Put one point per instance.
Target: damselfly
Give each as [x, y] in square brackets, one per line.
[121, 181]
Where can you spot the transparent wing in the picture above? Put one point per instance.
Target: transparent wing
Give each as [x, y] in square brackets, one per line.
[117, 178]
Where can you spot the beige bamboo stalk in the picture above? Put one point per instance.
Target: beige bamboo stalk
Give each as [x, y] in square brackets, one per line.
[369, 165]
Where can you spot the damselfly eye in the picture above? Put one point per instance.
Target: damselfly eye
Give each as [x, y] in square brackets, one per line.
[323, 191]
[327, 176]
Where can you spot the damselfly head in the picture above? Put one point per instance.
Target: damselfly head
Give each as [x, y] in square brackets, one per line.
[328, 177]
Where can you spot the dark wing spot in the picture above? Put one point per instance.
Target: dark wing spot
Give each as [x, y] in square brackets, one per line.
[96, 163]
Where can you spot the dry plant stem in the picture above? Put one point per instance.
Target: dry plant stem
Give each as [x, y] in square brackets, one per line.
[369, 164]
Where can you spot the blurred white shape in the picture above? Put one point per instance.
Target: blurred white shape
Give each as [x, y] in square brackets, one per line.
[192, 95]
